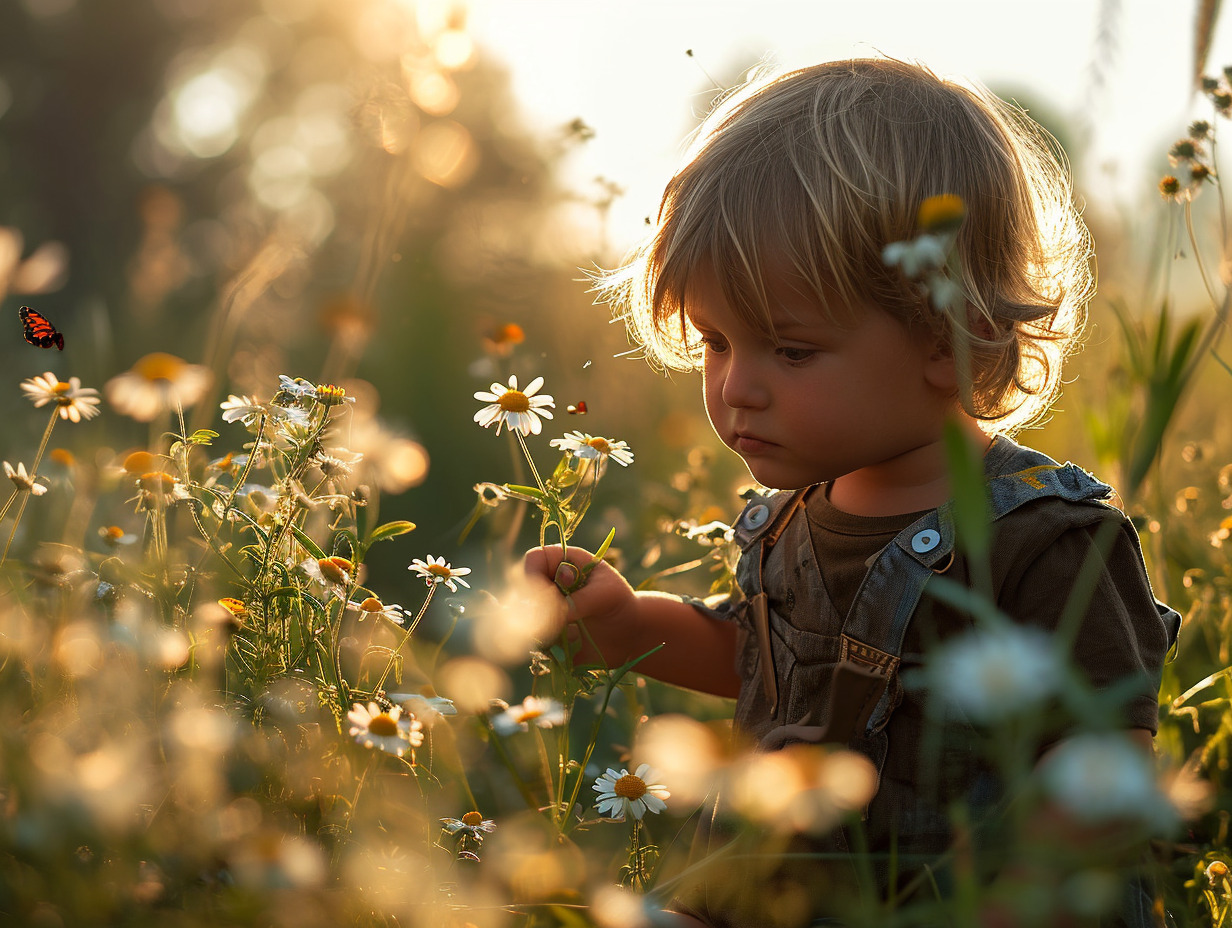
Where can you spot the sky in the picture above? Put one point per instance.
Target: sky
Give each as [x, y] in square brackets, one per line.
[623, 68]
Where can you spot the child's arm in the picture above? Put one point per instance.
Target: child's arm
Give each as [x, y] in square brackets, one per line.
[699, 650]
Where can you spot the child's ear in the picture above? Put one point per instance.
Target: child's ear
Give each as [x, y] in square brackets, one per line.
[940, 367]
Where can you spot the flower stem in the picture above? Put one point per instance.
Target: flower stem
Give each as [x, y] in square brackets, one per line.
[38, 457]
[410, 629]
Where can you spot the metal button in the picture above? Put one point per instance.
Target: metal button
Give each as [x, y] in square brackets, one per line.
[756, 517]
[925, 541]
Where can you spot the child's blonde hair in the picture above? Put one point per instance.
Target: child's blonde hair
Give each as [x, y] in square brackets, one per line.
[814, 172]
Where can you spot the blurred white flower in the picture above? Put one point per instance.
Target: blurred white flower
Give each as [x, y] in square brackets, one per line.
[992, 673]
[373, 607]
[373, 727]
[155, 384]
[428, 709]
[518, 409]
[75, 401]
[622, 793]
[533, 710]
[472, 824]
[435, 570]
[923, 253]
[1106, 776]
[594, 447]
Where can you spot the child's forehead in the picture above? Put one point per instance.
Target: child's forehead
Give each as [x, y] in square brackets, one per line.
[780, 298]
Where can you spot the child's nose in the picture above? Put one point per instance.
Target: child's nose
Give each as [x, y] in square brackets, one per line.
[743, 386]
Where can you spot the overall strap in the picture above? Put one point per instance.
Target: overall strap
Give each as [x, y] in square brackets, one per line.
[760, 524]
[873, 633]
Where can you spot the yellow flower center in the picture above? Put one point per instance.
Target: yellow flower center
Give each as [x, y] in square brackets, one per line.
[383, 726]
[601, 445]
[371, 605]
[472, 819]
[63, 456]
[330, 395]
[335, 569]
[140, 462]
[61, 390]
[113, 533]
[440, 570]
[157, 482]
[514, 401]
[941, 211]
[528, 715]
[159, 366]
[630, 787]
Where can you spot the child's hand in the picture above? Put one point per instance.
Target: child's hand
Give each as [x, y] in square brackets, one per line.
[604, 603]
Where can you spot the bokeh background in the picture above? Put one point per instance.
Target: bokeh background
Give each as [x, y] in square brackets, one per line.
[368, 192]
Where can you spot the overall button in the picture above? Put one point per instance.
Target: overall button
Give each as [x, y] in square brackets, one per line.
[756, 516]
[925, 541]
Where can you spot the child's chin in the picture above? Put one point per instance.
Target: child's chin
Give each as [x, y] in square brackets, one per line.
[777, 478]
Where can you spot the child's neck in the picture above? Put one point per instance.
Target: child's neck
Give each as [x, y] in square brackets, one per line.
[914, 481]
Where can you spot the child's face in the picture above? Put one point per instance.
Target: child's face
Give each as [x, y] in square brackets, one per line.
[824, 400]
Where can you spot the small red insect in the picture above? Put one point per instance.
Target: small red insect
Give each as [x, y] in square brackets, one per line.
[39, 331]
[577, 410]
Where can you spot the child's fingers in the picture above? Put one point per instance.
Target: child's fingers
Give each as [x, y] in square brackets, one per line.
[551, 562]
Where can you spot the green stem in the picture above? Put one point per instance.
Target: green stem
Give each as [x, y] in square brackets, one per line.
[38, 457]
[393, 658]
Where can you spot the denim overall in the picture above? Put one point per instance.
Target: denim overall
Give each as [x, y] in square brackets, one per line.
[791, 637]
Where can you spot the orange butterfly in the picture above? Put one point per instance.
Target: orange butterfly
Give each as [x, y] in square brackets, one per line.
[39, 331]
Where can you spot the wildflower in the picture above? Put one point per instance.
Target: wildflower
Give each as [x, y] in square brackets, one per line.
[330, 395]
[1169, 187]
[1199, 129]
[293, 390]
[490, 494]
[1223, 101]
[374, 727]
[472, 824]
[334, 572]
[159, 488]
[156, 383]
[140, 462]
[372, 607]
[1199, 172]
[942, 291]
[923, 253]
[244, 408]
[708, 533]
[592, 447]
[22, 480]
[75, 401]
[1183, 150]
[941, 213]
[991, 674]
[113, 536]
[1216, 870]
[1104, 777]
[435, 571]
[624, 792]
[63, 457]
[518, 409]
[534, 710]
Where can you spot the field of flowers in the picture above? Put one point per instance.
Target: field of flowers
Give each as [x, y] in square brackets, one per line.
[234, 692]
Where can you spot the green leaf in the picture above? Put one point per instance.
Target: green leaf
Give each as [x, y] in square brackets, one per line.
[524, 492]
[307, 542]
[391, 529]
[972, 518]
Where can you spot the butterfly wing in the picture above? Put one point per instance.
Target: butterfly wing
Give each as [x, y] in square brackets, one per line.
[38, 331]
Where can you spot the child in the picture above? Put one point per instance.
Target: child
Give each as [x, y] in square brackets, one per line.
[833, 374]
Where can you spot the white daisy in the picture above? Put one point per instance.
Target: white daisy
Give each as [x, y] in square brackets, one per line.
[1104, 776]
[373, 727]
[75, 401]
[334, 573]
[534, 710]
[372, 607]
[594, 447]
[435, 570]
[22, 480]
[923, 253]
[247, 409]
[518, 409]
[472, 824]
[157, 383]
[993, 673]
[428, 709]
[621, 793]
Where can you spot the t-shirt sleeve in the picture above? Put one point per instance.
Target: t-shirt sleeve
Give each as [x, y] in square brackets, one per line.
[1119, 637]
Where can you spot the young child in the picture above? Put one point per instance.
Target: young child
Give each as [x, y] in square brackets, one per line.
[833, 375]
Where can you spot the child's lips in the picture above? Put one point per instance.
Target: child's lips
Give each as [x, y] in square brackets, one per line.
[746, 443]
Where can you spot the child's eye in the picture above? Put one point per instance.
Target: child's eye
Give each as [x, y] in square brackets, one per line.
[717, 345]
[795, 355]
